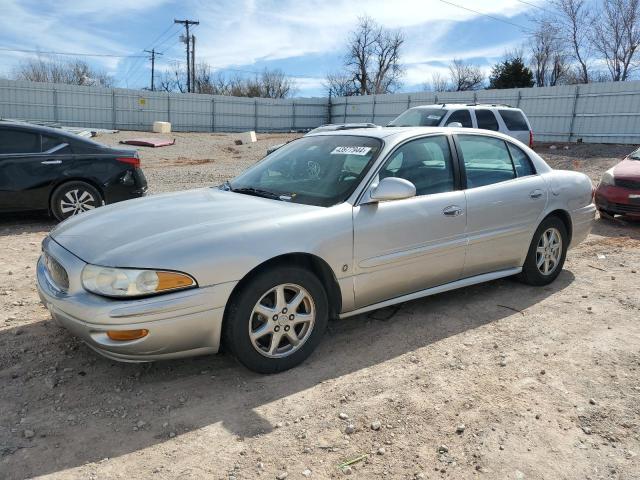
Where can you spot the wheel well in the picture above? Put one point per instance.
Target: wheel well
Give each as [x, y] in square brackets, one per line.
[564, 216]
[315, 264]
[70, 180]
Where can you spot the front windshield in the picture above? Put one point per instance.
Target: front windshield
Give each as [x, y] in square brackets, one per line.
[419, 117]
[320, 170]
[635, 155]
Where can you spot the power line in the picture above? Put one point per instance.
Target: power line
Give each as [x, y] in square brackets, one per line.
[534, 5]
[74, 54]
[498, 19]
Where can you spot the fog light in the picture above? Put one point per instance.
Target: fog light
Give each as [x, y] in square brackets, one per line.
[123, 335]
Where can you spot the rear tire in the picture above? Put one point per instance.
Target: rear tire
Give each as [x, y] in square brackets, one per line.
[266, 330]
[547, 253]
[75, 197]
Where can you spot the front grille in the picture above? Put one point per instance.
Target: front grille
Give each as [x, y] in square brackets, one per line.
[624, 208]
[628, 183]
[57, 273]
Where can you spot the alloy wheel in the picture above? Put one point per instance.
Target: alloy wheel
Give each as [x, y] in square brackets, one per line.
[282, 320]
[549, 251]
[77, 201]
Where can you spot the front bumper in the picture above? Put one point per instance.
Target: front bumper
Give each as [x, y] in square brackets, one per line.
[180, 324]
[620, 200]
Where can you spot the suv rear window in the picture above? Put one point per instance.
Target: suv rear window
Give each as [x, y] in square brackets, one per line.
[514, 120]
[461, 116]
[487, 120]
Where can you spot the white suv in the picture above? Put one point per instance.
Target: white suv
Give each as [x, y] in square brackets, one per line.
[500, 118]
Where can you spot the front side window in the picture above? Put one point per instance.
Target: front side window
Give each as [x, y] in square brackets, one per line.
[18, 141]
[320, 170]
[461, 116]
[425, 162]
[419, 117]
[486, 160]
[487, 120]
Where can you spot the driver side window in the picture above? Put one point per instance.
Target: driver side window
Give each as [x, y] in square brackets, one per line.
[425, 162]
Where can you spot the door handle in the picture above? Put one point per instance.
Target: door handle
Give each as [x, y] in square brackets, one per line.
[452, 211]
[536, 194]
[51, 162]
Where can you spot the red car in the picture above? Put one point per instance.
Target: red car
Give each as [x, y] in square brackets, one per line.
[619, 188]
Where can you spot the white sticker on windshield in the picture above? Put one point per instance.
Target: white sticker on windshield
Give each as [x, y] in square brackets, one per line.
[351, 150]
[434, 117]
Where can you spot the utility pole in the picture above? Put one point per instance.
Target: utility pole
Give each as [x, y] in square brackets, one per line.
[153, 64]
[186, 24]
[193, 63]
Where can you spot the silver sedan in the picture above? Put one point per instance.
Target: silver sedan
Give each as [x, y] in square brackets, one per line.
[330, 225]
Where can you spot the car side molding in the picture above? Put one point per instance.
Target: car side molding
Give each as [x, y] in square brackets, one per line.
[465, 282]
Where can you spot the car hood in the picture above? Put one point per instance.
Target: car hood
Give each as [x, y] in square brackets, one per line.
[150, 231]
[628, 168]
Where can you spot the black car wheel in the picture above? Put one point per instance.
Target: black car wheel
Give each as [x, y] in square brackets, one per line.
[547, 252]
[277, 319]
[73, 198]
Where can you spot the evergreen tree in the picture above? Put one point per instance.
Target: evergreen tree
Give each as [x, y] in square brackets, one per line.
[511, 73]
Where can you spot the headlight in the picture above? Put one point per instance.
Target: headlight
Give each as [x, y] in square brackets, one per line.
[125, 282]
[607, 178]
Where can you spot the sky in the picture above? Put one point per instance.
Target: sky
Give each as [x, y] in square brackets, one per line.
[306, 38]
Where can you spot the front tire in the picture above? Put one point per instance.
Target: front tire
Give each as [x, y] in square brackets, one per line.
[547, 253]
[72, 198]
[277, 319]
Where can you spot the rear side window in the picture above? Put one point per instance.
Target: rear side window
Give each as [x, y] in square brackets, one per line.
[521, 161]
[18, 141]
[486, 160]
[462, 116]
[514, 120]
[487, 120]
[50, 142]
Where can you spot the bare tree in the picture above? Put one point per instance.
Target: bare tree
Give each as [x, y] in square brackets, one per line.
[548, 56]
[439, 83]
[576, 19]
[616, 36]
[73, 72]
[340, 85]
[464, 76]
[267, 84]
[372, 61]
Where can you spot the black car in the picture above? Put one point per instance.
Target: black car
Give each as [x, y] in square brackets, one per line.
[63, 173]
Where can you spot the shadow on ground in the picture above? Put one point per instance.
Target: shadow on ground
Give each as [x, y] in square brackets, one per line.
[87, 414]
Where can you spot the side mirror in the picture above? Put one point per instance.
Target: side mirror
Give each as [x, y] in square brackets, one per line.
[392, 188]
[455, 125]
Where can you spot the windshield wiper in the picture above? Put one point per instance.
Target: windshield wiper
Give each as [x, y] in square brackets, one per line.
[258, 192]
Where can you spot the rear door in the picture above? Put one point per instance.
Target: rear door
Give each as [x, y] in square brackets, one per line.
[403, 246]
[505, 199]
[27, 173]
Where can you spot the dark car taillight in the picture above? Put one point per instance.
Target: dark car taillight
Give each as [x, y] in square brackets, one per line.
[530, 138]
[135, 161]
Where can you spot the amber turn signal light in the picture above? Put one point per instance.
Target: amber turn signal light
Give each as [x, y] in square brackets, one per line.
[123, 335]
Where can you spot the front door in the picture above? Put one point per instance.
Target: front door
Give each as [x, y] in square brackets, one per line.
[404, 246]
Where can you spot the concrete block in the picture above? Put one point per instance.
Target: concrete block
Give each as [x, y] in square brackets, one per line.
[161, 127]
[247, 137]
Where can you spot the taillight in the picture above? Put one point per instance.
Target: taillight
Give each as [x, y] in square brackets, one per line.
[135, 161]
[530, 138]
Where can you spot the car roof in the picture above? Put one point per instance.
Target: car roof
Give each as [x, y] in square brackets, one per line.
[44, 130]
[470, 106]
[400, 133]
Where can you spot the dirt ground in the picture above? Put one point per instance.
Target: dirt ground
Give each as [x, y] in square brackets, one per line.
[495, 381]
